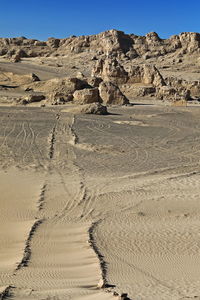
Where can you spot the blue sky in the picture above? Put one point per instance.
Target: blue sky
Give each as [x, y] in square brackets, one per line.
[59, 18]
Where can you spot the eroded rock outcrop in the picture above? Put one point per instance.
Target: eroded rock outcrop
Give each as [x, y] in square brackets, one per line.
[93, 108]
[191, 87]
[62, 86]
[58, 98]
[86, 96]
[146, 74]
[110, 70]
[32, 98]
[172, 94]
[117, 61]
[112, 42]
[111, 94]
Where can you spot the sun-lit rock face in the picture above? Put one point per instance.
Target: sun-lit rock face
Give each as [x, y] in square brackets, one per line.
[110, 70]
[146, 74]
[111, 94]
[112, 42]
[86, 96]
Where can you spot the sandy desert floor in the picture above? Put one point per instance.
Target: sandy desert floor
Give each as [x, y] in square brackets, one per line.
[84, 197]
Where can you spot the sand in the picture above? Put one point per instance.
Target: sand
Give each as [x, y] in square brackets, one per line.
[86, 197]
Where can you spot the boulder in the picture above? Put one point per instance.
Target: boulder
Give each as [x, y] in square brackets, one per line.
[92, 108]
[111, 94]
[55, 98]
[85, 96]
[33, 98]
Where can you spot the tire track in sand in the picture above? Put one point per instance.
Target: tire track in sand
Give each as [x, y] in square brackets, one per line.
[5, 292]
[27, 250]
[40, 238]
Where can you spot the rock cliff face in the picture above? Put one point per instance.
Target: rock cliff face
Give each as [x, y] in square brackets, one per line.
[113, 62]
[111, 42]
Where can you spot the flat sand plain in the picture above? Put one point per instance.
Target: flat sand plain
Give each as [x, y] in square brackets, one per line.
[85, 197]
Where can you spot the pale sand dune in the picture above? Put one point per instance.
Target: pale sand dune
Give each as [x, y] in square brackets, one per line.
[45, 248]
[68, 265]
[155, 237]
[17, 215]
[133, 191]
[52, 254]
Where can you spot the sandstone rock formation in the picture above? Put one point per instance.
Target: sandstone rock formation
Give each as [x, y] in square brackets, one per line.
[112, 42]
[57, 98]
[86, 96]
[94, 108]
[110, 70]
[173, 94]
[33, 98]
[151, 75]
[138, 91]
[18, 55]
[192, 88]
[138, 66]
[147, 74]
[62, 86]
[111, 94]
